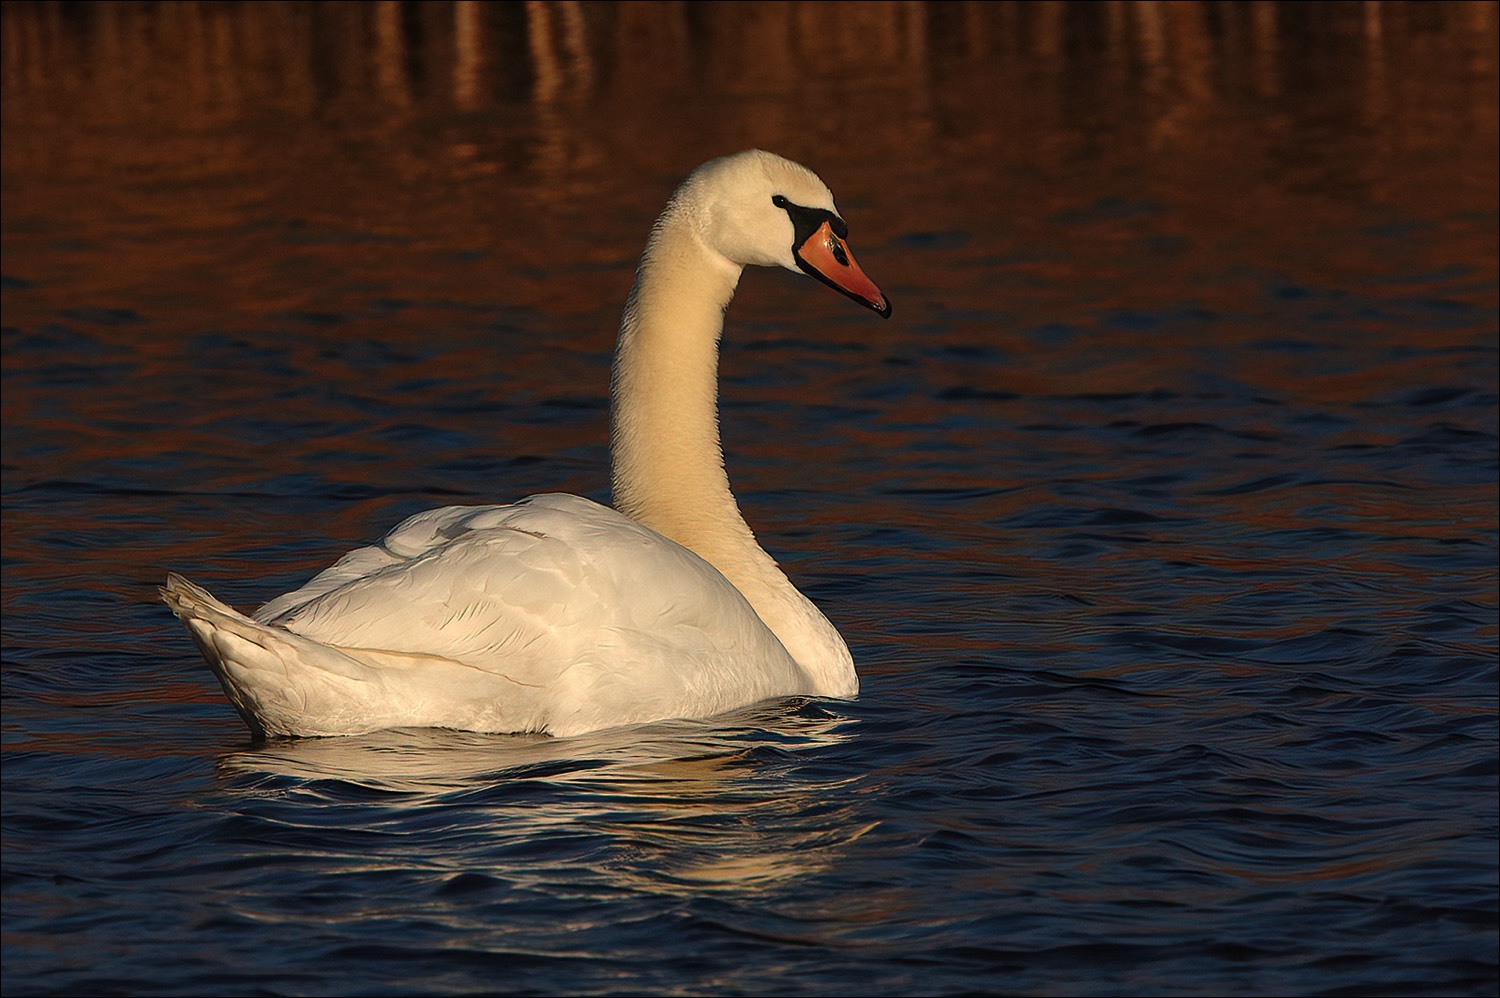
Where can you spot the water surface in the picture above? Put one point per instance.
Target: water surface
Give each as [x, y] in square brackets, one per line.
[1160, 518]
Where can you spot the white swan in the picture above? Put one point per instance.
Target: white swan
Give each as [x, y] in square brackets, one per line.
[556, 614]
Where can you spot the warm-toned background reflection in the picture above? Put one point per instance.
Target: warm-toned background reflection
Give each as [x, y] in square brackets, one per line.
[549, 130]
[1021, 177]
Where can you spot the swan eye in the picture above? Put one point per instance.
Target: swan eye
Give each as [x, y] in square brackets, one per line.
[780, 201]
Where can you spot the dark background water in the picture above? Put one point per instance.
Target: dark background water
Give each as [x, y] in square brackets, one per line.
[1161, 518]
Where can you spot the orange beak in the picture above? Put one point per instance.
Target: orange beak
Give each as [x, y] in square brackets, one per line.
[827, 257]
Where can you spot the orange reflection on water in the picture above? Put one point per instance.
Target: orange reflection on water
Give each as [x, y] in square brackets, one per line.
[468, 185]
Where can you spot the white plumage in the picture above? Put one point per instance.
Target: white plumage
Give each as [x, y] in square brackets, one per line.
[556, 614]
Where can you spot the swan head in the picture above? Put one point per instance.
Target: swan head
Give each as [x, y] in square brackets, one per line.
[757, 209]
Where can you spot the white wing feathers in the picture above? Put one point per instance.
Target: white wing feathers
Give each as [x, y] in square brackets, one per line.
[552, 614]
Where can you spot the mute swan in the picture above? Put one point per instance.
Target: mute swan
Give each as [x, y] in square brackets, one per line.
[556, 614]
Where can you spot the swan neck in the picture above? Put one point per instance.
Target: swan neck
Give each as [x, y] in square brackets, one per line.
[667, 461]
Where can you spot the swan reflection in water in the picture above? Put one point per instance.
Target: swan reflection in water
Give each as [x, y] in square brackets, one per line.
[672, 807]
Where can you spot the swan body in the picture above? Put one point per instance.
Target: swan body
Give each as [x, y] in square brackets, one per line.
[556, 614]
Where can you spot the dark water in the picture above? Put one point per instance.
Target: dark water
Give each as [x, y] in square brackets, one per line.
[1161, 518]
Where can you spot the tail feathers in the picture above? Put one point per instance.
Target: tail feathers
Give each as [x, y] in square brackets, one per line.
[189, 600]
[280, 682]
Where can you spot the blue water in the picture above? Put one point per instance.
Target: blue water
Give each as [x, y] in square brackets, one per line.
[1160, 518]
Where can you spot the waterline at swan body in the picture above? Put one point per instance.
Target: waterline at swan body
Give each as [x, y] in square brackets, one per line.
[556, 614]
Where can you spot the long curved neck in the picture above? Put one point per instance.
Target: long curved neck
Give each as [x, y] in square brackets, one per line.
[667, 462]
